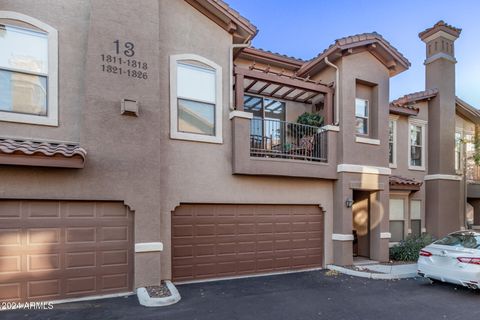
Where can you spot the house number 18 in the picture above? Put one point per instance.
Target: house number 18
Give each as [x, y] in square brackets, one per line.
[127, 48]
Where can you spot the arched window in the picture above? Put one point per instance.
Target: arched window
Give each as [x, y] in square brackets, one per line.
[195, 99]
[28, 70]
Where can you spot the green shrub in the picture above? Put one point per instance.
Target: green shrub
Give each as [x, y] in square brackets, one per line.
[408, 249]
[310, 119]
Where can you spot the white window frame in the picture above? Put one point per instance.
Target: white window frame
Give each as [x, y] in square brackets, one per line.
[410, 215]
[423, 125]
[394, 119]
[51, 119]
[174, 133]
[367, 117]
[458, 152]
[404, 200]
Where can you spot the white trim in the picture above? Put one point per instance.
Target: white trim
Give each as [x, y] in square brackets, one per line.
[367, 140]
[330, 127]
[267, 274]
[424, 230]
[440, 33]
[385, 235]
[342, 237]
[96, 297]
[174, 133]
[354, 168]
[52, 91]
[440, 55]
[240, 114]
[394, 120]
[442, 177]
[148, 247]
[423, 125]
[145, 300]
[367, 117]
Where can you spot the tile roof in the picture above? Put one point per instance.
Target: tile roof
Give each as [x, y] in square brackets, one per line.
[407, 101]
[48, 149]
[440, 26]
[353, 41]
[403, 181]
[236, 15]
[414, 97]
[280, 55]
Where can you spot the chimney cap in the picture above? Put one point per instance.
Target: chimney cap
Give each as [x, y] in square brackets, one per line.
[440, 26]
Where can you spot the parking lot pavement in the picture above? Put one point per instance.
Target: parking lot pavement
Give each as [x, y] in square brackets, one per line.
[305, 295]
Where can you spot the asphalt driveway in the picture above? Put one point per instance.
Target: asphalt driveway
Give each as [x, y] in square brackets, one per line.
[307, 295]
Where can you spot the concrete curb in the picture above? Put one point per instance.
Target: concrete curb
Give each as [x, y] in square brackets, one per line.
[371, 275]
[145, 300]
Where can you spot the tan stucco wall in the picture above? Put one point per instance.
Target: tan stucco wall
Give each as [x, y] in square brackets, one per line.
[365, 67]
[123, 152]
[194, 172]
[132, 159]
[402, 165]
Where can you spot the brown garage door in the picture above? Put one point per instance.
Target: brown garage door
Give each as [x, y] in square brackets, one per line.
[211, 241]
[51, 250]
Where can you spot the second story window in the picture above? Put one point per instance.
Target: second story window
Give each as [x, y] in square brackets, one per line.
[392, 143]
[458, 150]
[195, 106]
[361, 116]
[28, 71]
[417, 146]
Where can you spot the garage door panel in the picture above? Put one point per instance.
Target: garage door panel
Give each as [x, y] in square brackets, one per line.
[211, 241]
[10, 291]
[62, 249]
[81, 286]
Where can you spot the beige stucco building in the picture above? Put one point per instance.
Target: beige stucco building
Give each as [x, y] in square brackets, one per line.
[148, 143]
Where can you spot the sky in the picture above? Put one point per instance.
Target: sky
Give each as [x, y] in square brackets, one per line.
[304, 28]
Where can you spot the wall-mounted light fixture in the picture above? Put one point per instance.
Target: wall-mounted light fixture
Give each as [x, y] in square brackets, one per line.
[349, 202]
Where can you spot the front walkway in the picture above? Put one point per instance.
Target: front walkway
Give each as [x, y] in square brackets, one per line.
[375, 270]
[305, 295]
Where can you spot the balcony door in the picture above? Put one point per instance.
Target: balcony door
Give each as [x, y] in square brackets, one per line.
[268, 125]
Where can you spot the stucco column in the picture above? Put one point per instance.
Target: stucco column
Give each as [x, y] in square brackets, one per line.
[379, 223]
[441, 183]
[342, 223]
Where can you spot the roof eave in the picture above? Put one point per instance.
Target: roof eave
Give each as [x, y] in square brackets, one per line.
[231, 21]
[337, 51]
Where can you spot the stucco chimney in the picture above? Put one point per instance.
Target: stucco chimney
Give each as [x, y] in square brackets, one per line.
[442, 185]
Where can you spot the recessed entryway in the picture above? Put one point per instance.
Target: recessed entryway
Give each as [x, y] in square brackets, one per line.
[361, 223]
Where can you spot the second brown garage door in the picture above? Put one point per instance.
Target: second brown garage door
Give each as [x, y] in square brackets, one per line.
[213, 241]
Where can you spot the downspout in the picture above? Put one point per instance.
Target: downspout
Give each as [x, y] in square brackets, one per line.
[337, 97]
[230, 73]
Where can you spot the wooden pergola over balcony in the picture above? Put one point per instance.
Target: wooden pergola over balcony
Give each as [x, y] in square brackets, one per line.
[277, 85]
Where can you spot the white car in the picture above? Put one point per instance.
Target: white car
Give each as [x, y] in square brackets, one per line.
[454, 259]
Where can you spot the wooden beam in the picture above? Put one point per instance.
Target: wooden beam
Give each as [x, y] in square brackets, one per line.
[251, 85]
[268, 84]
[295, 97]
[283, 80]
[329, 107]
[287, 93]
[239, 92]
[276, 90]
[310, 96]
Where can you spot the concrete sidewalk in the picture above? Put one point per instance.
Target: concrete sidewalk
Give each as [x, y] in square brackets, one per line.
[379, 270]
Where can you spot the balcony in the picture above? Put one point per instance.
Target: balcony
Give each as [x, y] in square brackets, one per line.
[277, 139]
[281, 148]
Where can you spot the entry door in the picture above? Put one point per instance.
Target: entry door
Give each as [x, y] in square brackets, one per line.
[361, 222]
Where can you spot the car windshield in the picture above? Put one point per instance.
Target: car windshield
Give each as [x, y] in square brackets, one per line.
[462, 240]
